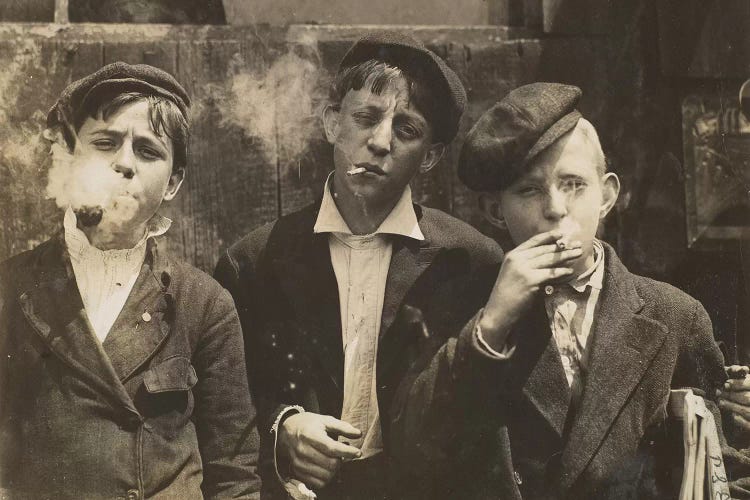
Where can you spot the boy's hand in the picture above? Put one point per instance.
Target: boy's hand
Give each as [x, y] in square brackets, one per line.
[734, 399]
[308, 441]
[533, 263]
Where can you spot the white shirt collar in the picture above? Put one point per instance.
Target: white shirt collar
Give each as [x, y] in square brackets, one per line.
[78, 243]
[402, 220]
[594, 276]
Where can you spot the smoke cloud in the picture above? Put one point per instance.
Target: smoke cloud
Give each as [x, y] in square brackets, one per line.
[281, 106]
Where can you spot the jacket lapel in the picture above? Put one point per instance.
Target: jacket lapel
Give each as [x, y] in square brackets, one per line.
[624, 345]
[545, 385]
[52, 304]
[305, 273]
[144, 321]
[408, 261]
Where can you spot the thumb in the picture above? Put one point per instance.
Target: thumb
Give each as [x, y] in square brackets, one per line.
[340, 428]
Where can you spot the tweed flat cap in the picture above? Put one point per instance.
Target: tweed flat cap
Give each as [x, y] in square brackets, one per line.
[411, 55]
[505, 139]
[114, 78]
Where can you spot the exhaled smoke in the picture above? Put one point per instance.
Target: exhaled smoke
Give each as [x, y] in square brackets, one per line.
[281, 105]
[22, 152]
[96, 192]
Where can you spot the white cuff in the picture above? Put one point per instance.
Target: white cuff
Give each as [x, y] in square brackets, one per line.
[275, 432]
[505, 353]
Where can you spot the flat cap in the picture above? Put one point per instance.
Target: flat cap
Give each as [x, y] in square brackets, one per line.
[500, 146]
[115, 78]
[411, 56]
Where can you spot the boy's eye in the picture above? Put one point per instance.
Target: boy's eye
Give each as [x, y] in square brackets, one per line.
[367, 119]
[529, 190]
[573, 185]
[407, 132]
[104, 144]
[149, 153]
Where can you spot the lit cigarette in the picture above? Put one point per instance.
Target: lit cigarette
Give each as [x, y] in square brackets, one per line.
[355, 171]
[561, 244]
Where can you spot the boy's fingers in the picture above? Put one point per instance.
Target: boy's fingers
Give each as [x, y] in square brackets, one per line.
[737, 385]
[341, 428]
[736, 409]
[337, 449]
[540, 239]
[557, 259]
[737, 371]
[739, 397]
[541, 276]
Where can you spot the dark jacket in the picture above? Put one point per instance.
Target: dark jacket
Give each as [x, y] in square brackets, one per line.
[283, 283]
[159, 409]
[469, 426]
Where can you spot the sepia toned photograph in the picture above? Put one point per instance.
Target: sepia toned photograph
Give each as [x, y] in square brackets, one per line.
[395, 250]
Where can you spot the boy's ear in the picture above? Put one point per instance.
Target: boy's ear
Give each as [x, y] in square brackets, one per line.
[331, 122]
[491, 210]
[432, 157]
[175, 181]
[610, 191]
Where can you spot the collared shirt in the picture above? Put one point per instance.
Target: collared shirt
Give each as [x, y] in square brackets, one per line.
[361, 264]
[571, 308]
[105, 278]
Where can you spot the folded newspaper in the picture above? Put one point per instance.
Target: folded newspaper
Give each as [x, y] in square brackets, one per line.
[703, 474]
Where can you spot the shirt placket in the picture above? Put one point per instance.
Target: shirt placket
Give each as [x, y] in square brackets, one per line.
[361, 336]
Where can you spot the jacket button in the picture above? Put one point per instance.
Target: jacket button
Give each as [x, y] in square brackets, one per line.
[133, 495]
[517, 477]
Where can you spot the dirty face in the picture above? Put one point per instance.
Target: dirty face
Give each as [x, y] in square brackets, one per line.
[385, 137]
[130, 163]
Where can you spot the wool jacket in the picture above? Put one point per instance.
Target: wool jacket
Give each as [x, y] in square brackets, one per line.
[468, 425]
[160, 409]
[284, 285]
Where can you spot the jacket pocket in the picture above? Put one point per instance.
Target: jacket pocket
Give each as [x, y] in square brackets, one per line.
[166, 398]
[172, 374]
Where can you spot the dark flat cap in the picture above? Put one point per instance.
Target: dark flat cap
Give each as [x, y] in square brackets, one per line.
[410, 55]
[500, 146]
[113, 79]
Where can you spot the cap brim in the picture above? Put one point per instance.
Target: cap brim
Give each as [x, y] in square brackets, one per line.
[120, 85]
[552, 134]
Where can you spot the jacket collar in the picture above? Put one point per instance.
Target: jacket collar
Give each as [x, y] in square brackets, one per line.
[625, 343]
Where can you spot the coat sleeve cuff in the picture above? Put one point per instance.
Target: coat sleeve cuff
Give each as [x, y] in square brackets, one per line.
[505, 353]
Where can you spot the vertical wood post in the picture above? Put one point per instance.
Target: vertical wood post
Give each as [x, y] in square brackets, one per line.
[61, 12]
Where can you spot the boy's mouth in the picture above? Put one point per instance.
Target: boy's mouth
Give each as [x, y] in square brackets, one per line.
[370, 167]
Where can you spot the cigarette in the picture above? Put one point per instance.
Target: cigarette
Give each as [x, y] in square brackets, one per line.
[355, 171]
[561, 244]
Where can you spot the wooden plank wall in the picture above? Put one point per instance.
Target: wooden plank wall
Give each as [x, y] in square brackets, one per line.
[234, 182]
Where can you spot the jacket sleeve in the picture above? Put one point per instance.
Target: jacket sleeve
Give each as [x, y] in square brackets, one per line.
[225, 417]
[238, 275]
[701, 366]
[447, 421]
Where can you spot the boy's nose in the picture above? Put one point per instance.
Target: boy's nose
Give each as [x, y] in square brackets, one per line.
[556, 205]
[124, 162]
[380, 139]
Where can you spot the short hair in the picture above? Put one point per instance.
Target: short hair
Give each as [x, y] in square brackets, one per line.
[164, 117]
[379, 75]
[589, 134]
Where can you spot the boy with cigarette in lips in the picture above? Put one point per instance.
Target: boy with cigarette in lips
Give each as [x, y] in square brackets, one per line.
[330, 296]
[558, 385]
[122, 372]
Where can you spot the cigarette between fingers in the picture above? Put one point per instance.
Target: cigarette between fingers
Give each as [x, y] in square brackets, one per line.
[356, 171]
[561, 245]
